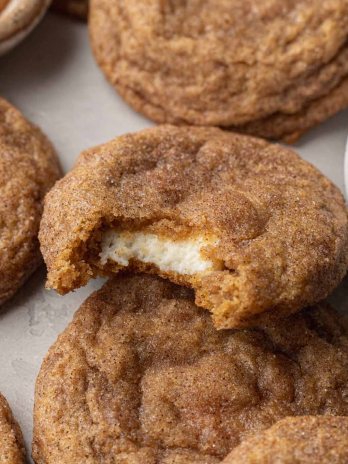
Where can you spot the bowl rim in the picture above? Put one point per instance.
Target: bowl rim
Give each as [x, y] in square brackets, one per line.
[18, 18]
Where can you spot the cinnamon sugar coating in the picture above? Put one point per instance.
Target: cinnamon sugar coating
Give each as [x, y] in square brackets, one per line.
[281, 226]
[28, 168]
[11, 441]
[142, 376]
[271, 68]
[296, 440]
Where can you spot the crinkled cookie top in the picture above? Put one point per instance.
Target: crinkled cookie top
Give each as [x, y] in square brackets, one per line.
[269, 67]
[280, 226]
[142, 376]
[28, 168]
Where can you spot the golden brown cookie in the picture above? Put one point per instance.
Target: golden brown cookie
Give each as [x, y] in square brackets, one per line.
[75, 8]
[290, 128]
[273, 68]
[28, 168]
[142, 376]
[296, 440]
[248, 225]
[11, 441]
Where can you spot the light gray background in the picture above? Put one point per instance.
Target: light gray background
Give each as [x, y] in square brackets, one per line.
[54, 80]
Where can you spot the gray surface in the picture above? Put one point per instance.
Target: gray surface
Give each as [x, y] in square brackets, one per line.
[53, 79]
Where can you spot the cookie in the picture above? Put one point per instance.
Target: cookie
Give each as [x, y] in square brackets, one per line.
[300, 440]
[11, 441]
[18, 19]
[248, 225]
[257, 66]
[290, 128]
[28, 168]
[142, 376]
[75, 8]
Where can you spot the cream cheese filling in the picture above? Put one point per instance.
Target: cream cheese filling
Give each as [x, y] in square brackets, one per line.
[180, 256]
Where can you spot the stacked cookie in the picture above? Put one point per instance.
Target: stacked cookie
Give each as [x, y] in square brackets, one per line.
[269, 68]
[188, 222]
[250, 226]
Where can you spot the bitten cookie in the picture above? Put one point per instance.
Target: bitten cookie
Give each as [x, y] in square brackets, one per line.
[11, 441]
[28, 169]
[75, 8]
[250, 226]
[300, 440]
[271, 68]
[142, 376]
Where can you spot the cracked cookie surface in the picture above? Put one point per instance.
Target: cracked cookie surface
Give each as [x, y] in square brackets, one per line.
[272, 67]
[28, 168]
[248, 225]
[142, 376]
[300, 440]
[11, 441]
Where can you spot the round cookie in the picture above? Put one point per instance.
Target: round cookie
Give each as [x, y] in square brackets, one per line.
[300, 440]
[11, 441]
[141, 376]
[269, 67]
[75, 8]
[28, 169]
[248, 225]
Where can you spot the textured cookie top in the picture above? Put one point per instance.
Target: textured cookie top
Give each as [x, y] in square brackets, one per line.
[300, 440]
[221, 62]
[28, 168]
[273, 230]
[141, 376]
[11, 441]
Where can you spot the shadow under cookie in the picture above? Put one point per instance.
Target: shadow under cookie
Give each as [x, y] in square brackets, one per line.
[74, 8]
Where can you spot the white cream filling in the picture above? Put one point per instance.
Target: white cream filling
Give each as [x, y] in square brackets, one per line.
[182, 257]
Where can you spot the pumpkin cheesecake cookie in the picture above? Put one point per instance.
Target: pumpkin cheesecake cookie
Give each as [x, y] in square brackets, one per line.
[250, 226]
[11, 441]
[142, 376]
[75, 8]
[28, 169]
[272, 68]
[296, 440]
